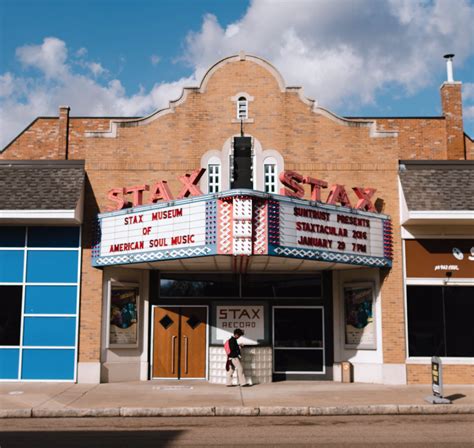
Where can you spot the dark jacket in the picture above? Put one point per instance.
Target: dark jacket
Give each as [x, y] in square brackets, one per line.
[234, 348]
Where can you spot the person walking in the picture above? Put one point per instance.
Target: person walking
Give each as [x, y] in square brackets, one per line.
[234, 360]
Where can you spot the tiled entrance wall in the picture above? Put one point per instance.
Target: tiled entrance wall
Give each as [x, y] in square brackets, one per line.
[257, 363]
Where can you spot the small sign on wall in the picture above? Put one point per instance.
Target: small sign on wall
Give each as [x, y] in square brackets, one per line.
[439, 258]
[359, 316]
[249, 318]
[123, 315]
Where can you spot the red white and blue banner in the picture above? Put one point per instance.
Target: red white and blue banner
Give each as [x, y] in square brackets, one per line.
[245, 223]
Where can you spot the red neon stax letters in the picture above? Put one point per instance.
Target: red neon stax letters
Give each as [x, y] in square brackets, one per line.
[292, 187]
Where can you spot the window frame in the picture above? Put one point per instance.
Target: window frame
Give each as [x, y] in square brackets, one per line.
[272, 184]
[242, 100]
[214, 178]
[415, 359]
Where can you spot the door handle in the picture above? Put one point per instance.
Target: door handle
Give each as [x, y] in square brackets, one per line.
[173, 338]
[185, 354]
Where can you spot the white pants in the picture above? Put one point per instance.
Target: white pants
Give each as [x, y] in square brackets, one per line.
[240, 372]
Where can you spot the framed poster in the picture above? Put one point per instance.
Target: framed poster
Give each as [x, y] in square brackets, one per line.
[123, 315]
[359, 316]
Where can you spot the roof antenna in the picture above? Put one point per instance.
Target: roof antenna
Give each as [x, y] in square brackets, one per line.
[241, 127]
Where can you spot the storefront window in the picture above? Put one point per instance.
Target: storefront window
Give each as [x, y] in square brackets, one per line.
[39, 276]
[440, 320]
[298, 339]
[255, 286]
[298, 327]
[10, 315]
[178, 285]
[281, 286]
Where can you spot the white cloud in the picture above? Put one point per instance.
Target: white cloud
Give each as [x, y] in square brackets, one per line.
[155, 59]
[468, 91]
[81, 52]
[24, 98]
[468, 112]
[49, 57]
[7, 84]
[96, 68]
[341, 51]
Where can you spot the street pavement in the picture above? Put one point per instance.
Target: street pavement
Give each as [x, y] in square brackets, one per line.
[420, 431]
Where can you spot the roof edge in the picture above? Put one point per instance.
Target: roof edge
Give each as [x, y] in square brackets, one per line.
[449, 164]
[44, 163]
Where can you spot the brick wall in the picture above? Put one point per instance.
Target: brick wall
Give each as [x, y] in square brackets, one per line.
[469, 144]
[172, 143]
[452, 374]
[451, 100]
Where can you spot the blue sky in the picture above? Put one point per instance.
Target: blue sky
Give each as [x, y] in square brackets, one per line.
[128, 58]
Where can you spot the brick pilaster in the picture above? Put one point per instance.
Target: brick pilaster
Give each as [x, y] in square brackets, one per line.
[63, 132]
[451, 101]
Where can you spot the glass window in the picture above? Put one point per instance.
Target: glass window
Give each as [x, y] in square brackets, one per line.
[299, 361]
[242, 108]
[11, 266]
[45, 266]
[50, 299]
[49, 331]
[48, 364]
[52, 257]
[214, 178]
[270, 180]
[10, 314]
[298, 327]
[199, 286]
[12, 236]
[459, 320]
[298, 344]
[9, 360]
[440, 320]
[280, 286]
[53, 236]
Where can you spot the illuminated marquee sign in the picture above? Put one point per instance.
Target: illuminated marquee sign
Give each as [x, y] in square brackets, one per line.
[335, 231]
[169, 227]
[242, 223]
[154, 233]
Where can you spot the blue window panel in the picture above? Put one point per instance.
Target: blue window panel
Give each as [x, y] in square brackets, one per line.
[53, 236]
[9, 359]
[51, 299]
[12, 236]
[47, 364]
[56, 266]
[49, 331]
[11, 265]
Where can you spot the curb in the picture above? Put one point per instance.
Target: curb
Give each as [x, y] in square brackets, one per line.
[243, 411]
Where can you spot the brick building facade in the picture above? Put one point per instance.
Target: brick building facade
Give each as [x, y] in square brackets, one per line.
[292, 134]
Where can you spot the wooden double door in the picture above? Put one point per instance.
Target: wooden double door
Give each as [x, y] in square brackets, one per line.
[179, 341]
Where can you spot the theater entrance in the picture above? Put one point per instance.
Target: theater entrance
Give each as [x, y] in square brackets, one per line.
[179, 341]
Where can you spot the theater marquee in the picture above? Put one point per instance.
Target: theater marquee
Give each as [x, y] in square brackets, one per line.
[243, 223]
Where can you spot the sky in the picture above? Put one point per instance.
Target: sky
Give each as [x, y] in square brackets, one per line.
[128, 58]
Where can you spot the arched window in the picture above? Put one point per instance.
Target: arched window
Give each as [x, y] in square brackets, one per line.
[242, 108]
[214, 175]
[270, 175]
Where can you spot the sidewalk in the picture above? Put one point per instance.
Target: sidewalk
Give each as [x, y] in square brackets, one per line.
[192, 398]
